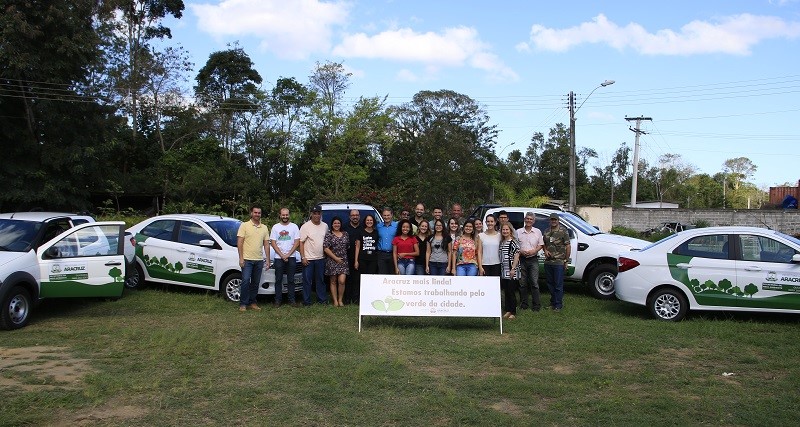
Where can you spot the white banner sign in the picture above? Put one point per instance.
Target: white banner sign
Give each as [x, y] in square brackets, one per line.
[456, 296]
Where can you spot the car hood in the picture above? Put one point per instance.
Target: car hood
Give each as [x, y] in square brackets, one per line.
[630, 242]
[7, 257]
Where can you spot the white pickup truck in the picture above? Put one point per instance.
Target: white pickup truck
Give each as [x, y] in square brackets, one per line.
[594, 253]
[55, 255]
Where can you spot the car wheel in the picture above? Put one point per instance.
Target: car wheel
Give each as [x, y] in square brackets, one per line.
[135, 279]
[230, 288]
[601, 281]
[668, 304]
[16, 308]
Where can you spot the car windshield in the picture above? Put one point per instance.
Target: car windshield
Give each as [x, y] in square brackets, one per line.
[226, 229]
[579, 223]
[17, 236]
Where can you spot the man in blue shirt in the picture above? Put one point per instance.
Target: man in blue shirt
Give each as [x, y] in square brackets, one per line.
[386, 232]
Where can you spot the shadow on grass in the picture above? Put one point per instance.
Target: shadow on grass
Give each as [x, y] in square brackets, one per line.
[444, 323]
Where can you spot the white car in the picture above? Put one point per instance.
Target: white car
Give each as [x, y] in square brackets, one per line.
[56, 255]
[715, 268]
[196, 250]
[593, 257]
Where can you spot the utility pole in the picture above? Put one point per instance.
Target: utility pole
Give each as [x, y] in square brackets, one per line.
[635, 177]
[572, 156]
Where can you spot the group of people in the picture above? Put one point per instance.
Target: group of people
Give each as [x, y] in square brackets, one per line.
[412, 245]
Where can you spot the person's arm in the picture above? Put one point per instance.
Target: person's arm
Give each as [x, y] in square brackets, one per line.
[514, 264]
[451, 259]
[278, 252]
[394, 258]
[267, 252]
[295, 246]
[479, 256]
[416, 250]
[428, 258]
[303, 259]
[240, 248]
[568, 252]
[358, 251]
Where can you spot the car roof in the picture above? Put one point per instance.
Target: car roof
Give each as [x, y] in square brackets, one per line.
[522, 209]
[344, 205]
[726, 229]
[195, 216]
[42, 216]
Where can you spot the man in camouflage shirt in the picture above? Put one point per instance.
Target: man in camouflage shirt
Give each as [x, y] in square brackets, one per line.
[556, 258]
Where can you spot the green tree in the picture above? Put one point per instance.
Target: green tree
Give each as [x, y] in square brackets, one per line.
[115, 274]
[751, 290]
[55, 126]
[442, 150]
[724, 285]
[227, 85]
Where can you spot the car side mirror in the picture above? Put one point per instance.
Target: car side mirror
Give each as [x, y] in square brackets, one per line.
[796, 258]
[206, 243]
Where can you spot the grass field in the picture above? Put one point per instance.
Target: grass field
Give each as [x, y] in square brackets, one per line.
[179, 357]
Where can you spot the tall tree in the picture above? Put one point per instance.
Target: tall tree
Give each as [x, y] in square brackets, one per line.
[738, 169]
[442, 150]
[139, 22]
[329, 81]
[53, 129]
[227, 85]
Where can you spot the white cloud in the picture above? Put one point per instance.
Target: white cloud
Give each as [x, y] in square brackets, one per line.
[453, 47]
[735, 34]
[291, 29]
[406, 76]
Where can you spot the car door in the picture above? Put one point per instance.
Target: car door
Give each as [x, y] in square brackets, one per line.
[767, 277]
[705, 265]
[195, 264]
[156, 249]
[85, 261]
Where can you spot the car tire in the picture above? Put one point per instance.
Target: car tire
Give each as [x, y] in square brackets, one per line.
[16, 308]
[668, 304]
[135, 279]
[601, 281]
[230, 287]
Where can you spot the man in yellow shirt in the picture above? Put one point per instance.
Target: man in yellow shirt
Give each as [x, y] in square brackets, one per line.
[252, 240]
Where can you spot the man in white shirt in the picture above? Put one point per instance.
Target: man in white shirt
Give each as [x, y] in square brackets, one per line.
[285, 240]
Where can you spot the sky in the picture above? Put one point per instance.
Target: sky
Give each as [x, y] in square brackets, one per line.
[719, 78]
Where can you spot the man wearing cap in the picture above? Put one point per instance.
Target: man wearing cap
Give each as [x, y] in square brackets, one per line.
[530, 242]
[556, 256]
[386, 232]
[252, 242]
[312, 235]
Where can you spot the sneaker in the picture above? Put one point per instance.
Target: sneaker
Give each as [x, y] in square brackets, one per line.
[556, 309]
[512, 317]
[276, 305]
[254, 307]
[296, 304]
[507, 315]
[242, 308]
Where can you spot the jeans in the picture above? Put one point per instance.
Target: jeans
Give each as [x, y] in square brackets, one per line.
[284, 268]
[251, 280]
[352, 287]
[314, 273]
[419, 270]
[406, 266]
[529, 281]
[555, 283]
[467, 270]
[437, 268]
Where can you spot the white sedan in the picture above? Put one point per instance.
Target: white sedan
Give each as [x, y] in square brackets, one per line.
[195, 250]
[715, 268]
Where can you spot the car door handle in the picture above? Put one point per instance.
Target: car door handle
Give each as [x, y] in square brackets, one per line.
[181, 249]
[143, 244]
[683, 265]
[110, 263]
[752, 268]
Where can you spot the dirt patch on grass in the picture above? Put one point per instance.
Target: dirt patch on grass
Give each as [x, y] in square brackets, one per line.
[507, 407]
[102, 415]
[41, 368]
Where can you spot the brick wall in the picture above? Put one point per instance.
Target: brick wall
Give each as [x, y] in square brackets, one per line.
[787, 221]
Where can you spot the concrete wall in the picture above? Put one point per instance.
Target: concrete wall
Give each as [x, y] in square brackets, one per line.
[787, 221]
[599, 216]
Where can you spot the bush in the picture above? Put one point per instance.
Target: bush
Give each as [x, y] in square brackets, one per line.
[625, 231]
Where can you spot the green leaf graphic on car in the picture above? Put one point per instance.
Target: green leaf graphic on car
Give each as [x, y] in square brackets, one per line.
[388, 304]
